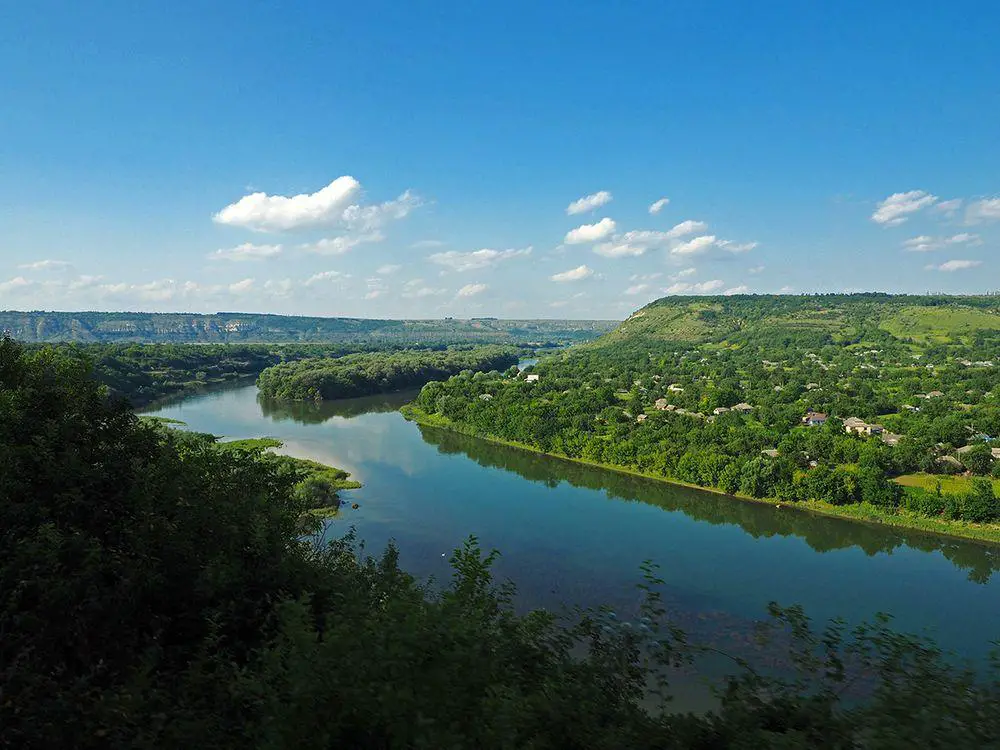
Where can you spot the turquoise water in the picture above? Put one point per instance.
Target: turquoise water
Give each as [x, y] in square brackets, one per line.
[577, 535]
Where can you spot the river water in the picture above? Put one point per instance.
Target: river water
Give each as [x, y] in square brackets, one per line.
[577, 535]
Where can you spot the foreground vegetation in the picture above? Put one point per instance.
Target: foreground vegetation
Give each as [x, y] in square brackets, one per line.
[155, 592]
[798, 399]
[372, 373]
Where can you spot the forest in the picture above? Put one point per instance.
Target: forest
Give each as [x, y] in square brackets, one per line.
[156, 591]
[800, 400]
[382, 372]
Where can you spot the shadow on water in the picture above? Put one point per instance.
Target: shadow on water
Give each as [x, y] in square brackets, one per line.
[821, 533]
[317, 412]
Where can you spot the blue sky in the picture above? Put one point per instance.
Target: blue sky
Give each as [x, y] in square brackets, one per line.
[425, 159]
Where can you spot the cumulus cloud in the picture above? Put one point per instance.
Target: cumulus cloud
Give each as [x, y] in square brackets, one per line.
[329, 206]
[326, 276]
[342, 244]
[987, 209]
[694, 246]
[278, 287]
[416, 288]
[589, 202]
[574, 274]
[685, 228]
[269, 213]
[476, 259]
[246, 251]
[948, 208]
[645, 276]
[590, 232]
[925, 243]
[700, 287]
[47, 265]
[755, 269]
[471, 290]
[16, 284]
[656, 206]
[954, 265]
[639, 241]
[741, 289]
[637, 289]
[736, 247]
[241, 287]
[898, 207]
[683, 274]
[388, 269]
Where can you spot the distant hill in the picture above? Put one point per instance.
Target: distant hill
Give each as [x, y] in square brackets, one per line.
[827, 318]
[223, 327]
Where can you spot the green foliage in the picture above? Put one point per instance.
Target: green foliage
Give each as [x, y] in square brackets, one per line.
[366, 374]
[155, 592]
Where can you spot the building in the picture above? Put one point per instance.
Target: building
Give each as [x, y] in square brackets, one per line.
[720, 410]
[770, 452]
[675, 388]
[891, 438]
[661, 404]
[861, 427]
[814, 418]
[743, 408]
[531, 378]
[486, 396]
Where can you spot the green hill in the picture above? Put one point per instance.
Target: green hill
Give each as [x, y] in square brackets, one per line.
[826, 318]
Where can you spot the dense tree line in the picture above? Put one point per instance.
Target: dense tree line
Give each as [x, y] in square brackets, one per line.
[371, 373]
[667, 408]
[155, 592]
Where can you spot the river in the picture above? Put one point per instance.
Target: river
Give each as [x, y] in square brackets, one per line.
[575, 534]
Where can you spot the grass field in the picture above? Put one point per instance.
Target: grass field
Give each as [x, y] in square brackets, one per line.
[939, 324]
[949, 485]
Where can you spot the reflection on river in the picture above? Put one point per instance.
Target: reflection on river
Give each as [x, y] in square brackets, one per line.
[576, 534]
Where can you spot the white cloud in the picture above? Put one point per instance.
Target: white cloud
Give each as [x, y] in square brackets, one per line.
[574, 274]
[786, 290]
[755, 269]
[898, 207]
[656, 206]
[741, 289]
[84, 282]
[326, 276]
[590, 232]
[925, 243]
[471, 290]
[46, 265]
[987, 209]
[388, 269]
[340, 245]
[701, 287]
[736, 247]
[476, 259]
[589, 202]
[637, 289]
[954, 265]
[694, 246]
[241, 287]
[368, 218]
[278, 287]
[948, 208]
[15, 284]
[685, 228]
[683, 274]
[417, 288]
[374, 293]
[268, 213]
[246, 251]
[645, 277]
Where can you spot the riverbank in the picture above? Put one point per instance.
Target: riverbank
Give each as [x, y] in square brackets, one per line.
[986, 534]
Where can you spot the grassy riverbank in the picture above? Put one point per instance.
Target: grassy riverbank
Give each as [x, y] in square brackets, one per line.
[862, 512]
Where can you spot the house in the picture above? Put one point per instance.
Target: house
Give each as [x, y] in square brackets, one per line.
[531, 378]
[861, 427]
[933, 394]
[949, 461]
[641, 418]
[661, 404]
[770, 452]
[743, 408]
[720, 410]
[812, 386]
[891, 438]
[486, 396]
[996, 453]
[966, 448]
[675, 388]
[814, 418]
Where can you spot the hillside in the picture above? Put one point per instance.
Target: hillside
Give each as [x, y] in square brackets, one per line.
[826, 318]
[106, 327]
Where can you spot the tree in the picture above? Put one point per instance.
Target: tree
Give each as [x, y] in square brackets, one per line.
[978, 459]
